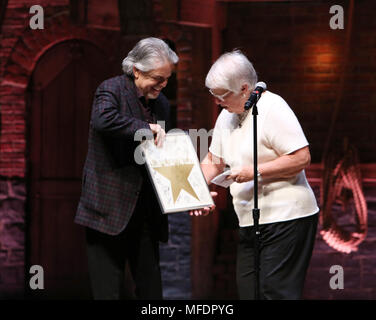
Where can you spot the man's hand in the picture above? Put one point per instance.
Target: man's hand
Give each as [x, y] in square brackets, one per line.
[204, 211]
[159, 134]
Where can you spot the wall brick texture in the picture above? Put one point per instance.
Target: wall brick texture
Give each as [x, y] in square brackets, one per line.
[301, 58]
[20, 50]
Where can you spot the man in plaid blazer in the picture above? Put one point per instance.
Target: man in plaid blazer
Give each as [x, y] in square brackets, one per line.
[118, 204]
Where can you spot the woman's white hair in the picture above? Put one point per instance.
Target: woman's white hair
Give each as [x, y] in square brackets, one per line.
[148, 54]
[231, 71]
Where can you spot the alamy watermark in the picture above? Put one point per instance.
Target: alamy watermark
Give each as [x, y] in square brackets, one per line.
[337, 280]
[198, 137]
[37, 20]
[37, 280]
[337, 20]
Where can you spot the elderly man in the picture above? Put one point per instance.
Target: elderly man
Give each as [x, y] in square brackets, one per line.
[117, 205]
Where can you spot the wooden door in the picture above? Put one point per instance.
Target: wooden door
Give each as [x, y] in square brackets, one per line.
[61, 94]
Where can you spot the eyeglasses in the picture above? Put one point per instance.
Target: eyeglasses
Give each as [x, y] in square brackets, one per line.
[157, 79]
[219, 97]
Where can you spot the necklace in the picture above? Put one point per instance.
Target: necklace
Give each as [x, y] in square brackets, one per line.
[241, 117]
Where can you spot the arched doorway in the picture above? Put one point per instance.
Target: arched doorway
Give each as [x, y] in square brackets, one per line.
[59, 102]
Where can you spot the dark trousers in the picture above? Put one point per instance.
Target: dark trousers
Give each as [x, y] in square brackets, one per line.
[108, 255]
[285, 251]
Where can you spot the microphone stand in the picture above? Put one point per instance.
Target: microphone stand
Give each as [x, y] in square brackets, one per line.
[256, 210]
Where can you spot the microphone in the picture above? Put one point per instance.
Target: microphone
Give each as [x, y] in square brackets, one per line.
[255, 95]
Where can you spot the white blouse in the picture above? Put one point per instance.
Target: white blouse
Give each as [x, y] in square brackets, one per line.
[278, 133]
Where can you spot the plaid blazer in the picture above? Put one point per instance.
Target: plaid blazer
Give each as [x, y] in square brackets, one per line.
[112, 181]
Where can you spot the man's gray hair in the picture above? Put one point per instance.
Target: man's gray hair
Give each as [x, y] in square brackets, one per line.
[148, 54]
[231, 71]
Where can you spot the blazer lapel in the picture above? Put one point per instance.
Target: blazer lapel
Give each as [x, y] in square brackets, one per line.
[132, 99]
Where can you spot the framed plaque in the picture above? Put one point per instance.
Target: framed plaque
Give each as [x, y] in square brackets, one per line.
[176, 175]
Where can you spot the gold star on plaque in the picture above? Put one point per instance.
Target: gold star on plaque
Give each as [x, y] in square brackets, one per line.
[178, 176]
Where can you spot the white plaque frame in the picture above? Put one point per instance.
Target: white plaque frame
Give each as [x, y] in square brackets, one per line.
[168, 168]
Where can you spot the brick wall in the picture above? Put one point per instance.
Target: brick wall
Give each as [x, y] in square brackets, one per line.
[300, 57]
[19, 52]
[12, 237]
[16, 63]
[21, 47]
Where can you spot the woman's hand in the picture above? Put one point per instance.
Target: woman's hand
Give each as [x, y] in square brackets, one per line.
[241, 174]
[204, 211]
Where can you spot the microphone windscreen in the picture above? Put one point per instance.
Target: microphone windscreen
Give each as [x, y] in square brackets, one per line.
[261, 84]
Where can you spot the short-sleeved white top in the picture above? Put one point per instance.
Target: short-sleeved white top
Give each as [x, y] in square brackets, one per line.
[278, 133]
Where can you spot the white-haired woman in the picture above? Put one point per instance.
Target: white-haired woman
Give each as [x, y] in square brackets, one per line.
[288, 208]
[117, 205]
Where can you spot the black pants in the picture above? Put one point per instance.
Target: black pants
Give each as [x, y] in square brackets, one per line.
[285, 251]
[107, 257]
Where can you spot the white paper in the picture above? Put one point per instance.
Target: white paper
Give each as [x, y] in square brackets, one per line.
[220, 180]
